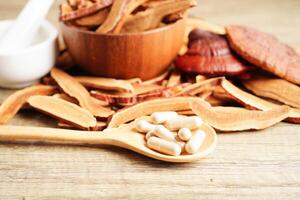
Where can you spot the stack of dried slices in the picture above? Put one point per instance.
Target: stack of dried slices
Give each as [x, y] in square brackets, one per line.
[234, 78]
[119, 16]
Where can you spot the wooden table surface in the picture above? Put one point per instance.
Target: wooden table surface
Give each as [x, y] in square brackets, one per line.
[249, 165]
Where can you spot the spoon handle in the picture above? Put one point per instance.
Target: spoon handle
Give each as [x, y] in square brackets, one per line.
[52, 135]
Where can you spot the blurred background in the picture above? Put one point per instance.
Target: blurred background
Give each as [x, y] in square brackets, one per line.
[280, 17]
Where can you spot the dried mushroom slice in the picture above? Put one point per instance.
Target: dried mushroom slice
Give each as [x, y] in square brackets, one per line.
[256, 103]
[14, 102]
[94, 20]
[74, 89]
[276, 89]
[131, 6]
[117, 10]
[63, 110]
[265, 51]
[68, 15]
[152, 17]
[209, 54]
[148, 107]
[238, 119]
[105, 83]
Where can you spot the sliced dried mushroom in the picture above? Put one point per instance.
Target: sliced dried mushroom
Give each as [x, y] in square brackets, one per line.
[94, 20]
[255, 103]
[74, 89]
[148, 107]
[67, 15]
[238, 119]
[152, 17]
[209, 54]
[105, 83]
[131, 6]
[63, 110]
[174, 79]
[276, 89]
[14, 102]
[141, 93]
[265, 51]
[200, 87]
[117, 10]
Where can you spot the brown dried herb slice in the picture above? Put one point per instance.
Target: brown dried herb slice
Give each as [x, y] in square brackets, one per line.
[265, 51]
[159, 79]
[174, 79]
[93, 20]
[131, 6]
[105, 83]
[85, 11]
[74, 89]
[63, 110]
[256, 103]
[14, 102]
[238, 119]
[117, 10]
[152, 17]
[276, 89]
[200, 87]
[148, 107]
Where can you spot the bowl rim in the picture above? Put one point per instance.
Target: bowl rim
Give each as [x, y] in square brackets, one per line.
[47, 26]
[148, 32]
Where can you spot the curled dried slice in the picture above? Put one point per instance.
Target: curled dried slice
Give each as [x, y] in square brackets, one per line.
[174, 79]
[74, 89]
[141, 93]
[253, 102]
[13, 103]
[131, 6]
[200, 87]
[85, 11]
[148, 107]
[95, 19]
[105, 83]
[66, 97]
[99, 127]
[276, 89]
[117, 10]
[209, 54]
[159, 79]
[238, 119]
[152, 17]
[65, 111]
[265, 51]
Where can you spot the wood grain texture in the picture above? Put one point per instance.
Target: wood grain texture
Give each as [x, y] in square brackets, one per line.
[124, 56]
[249, 165]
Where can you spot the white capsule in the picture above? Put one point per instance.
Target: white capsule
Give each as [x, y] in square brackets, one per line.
[150, 134]
[144, 126]
[184, 134]
[179, 122]
[164, 146]
[181, 143]
[194, 144]
[161, 117]
[164, 133]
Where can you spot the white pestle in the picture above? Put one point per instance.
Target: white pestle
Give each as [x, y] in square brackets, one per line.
[22, 32]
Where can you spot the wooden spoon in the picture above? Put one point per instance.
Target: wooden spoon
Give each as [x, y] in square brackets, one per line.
[125, 136]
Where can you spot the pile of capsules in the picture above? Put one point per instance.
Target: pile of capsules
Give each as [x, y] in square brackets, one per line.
[172, 134]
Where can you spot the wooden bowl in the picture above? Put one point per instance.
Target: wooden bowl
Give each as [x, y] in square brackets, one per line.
[145, 55]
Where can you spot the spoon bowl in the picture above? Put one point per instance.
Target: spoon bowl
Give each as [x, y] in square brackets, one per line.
[124, 136]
